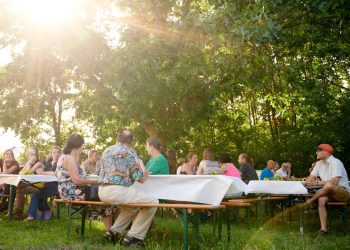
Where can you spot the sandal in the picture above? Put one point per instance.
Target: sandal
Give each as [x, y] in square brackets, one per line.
[28, 219]
[112, 237]
[130, 241]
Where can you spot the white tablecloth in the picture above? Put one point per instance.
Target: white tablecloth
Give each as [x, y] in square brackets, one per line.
[13, 179]
[208, 189]
[276, 187]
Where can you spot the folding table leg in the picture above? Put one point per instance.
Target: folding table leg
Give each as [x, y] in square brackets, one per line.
[261, 212]
[214, 223]
[58, 210]
[248, 215]
[11, 200]
[220, 225]
[195, 222]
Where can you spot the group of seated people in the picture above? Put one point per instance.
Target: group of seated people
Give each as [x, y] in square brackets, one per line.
[117, 169]
[274, 171]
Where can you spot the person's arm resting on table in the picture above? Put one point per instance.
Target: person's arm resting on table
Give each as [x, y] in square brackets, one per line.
[311, 180]
[70, 165]
[9, 170]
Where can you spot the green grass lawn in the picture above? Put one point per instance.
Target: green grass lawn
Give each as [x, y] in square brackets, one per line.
[168, 235]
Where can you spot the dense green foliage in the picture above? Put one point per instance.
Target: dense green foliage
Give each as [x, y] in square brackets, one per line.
[269, 78]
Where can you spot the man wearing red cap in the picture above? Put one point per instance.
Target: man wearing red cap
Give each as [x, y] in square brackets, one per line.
[334, 180]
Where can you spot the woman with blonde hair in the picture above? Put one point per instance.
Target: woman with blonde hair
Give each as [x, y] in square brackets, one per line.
[285, 171]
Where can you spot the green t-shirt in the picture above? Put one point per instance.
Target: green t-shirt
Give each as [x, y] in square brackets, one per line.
[158, 165]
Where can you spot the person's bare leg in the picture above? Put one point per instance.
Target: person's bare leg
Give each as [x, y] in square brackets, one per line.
[322, 210]
[107, 221]
[325, 191]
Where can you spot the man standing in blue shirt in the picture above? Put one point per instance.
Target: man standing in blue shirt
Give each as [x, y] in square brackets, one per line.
[267, 172]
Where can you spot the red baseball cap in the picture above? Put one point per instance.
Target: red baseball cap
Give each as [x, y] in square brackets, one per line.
[326, 147]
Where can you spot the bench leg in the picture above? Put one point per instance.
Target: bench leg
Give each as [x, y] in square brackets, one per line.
[345, 220]
[228, 223]
[83, 221]
[220, 224]
[58, 210]
[329, 218]
[69, 220]
[283, 206]
[185, 223]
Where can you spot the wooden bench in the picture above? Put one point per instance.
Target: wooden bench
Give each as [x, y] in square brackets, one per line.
[188, 211]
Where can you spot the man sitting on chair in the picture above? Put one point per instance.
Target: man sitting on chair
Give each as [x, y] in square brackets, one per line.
[334, 180]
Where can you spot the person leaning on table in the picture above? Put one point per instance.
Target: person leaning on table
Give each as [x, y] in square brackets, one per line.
[32, 165]
[334, 180]
[285, 171]
[8, 165]
[38, 200]
[119, 168]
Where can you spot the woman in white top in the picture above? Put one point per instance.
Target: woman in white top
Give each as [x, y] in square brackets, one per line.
[208, 166]
[285, 171]
[190, 167]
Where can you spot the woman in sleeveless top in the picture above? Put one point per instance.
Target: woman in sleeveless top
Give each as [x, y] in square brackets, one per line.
[208, 166]
[71, 178]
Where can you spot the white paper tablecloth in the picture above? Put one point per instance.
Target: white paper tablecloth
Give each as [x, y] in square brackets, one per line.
[14, 179]
[208, 189]
[276, 187]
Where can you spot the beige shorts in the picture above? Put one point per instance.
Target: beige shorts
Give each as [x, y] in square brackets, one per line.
[341, 194]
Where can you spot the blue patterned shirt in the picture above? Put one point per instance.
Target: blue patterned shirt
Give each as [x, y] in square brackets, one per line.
[116, 160]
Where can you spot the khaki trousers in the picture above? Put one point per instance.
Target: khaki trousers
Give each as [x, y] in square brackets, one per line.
[141, 218]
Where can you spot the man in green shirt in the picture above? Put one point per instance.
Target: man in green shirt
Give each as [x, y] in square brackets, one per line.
[158, 164]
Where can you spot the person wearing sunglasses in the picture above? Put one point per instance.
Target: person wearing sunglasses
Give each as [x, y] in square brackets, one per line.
[334, 180]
